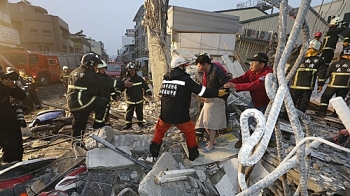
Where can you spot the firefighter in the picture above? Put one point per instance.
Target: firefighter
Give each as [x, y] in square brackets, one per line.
[105, 92]
[331, 39]
[339, 82]
[32, 89]
[305, 77]
[83, 85]
[176, 91]
[64, 76]
[10, 132]
[134, 96]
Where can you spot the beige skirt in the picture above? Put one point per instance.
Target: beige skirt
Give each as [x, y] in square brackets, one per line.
[212, 115]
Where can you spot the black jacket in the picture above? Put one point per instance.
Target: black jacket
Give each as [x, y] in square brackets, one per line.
[134, 94]
[8, 120]
[106, 91]
[83, 86]
[177, 88]
[216, 78]
[339, 73]
[331, 39]
[307, 73]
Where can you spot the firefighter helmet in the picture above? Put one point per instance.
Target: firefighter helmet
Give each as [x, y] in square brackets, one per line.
[205, 53]
[102, 65]
[65, 67]
[346, 53]
[318, 34]
[90, 59]
[336, 21]
[177, 61]
[130, 66]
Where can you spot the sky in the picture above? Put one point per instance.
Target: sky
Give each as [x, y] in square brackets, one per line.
[107, 20]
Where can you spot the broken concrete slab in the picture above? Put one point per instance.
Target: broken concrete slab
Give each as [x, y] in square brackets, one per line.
[231, 169]
[173, 175]
[102, 158]
[225, 187]
[138, 144]
[99, 183]
[105, 133]
[148, 187]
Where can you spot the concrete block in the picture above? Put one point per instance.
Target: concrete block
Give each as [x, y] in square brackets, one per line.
[201, 175]
[104, 158]
[225, 187]
[138, 144]
[105, 133]
[210, 187]
[231, 169]
[148, 187]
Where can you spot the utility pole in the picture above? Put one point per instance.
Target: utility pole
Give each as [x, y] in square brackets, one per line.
[155, 21]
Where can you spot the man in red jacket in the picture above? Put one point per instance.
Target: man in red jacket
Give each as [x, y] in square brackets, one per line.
[253, 81]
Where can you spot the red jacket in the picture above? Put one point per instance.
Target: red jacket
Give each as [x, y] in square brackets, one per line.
[254, 83]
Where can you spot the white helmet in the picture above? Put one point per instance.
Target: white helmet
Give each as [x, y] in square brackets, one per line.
[177, 61]
[315, 45]
[102, 65]
[205, 53]
[336, 21]
[65, 67]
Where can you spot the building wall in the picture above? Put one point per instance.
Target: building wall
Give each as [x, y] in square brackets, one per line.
[141, 45]
[8, 36]
[244, 14]
[337, 8]
[38, 31]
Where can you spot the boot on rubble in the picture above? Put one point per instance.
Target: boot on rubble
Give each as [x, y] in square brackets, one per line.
[193, 153]
[154, 148]
[127, 126]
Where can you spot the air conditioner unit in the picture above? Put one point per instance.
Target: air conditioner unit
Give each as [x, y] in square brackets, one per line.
[251, 33]
[264, 35]
[274, 36]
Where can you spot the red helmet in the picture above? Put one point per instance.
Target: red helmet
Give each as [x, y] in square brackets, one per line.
[318, 34]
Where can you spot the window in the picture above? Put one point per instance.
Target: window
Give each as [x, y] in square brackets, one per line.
[77, 50]
[33, 59]
[51, 62]
[34, 31]
[46, 32]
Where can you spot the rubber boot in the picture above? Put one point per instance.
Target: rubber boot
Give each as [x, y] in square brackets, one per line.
[154, 148]
[127, 126]
[193, 153]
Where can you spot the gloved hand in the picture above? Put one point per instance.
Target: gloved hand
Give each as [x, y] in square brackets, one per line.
[222, 92]
[319, 89]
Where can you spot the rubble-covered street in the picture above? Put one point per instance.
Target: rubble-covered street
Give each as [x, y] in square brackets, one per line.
[107, 172]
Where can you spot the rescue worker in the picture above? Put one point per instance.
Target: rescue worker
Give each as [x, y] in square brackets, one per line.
[10, 132]
[339, 82]
[254, 81]
[331, 39]
[65, 76]
[32, 89]
[176, 91]
[105, 92]
[305, 77]
[134, 96]
[83, 85]
[316, 41]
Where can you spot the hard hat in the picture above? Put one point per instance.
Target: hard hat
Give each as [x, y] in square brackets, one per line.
[102, 65]
[177, 61]
[318, 34]
[130, 66]
[205, 53]
[336, 21]
[65, 67]
[315, 44]
[9, 69]
[90, 59]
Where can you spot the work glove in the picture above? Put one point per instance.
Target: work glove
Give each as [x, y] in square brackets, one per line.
[222, 92]
[319, 89]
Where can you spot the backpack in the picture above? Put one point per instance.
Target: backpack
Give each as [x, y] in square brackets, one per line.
[343, 138]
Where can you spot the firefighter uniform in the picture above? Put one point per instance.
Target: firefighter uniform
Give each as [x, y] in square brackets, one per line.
[304, 81]
[134, 99]
[329, 43]
[10, 132]
[339, 82]
[82, 94]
